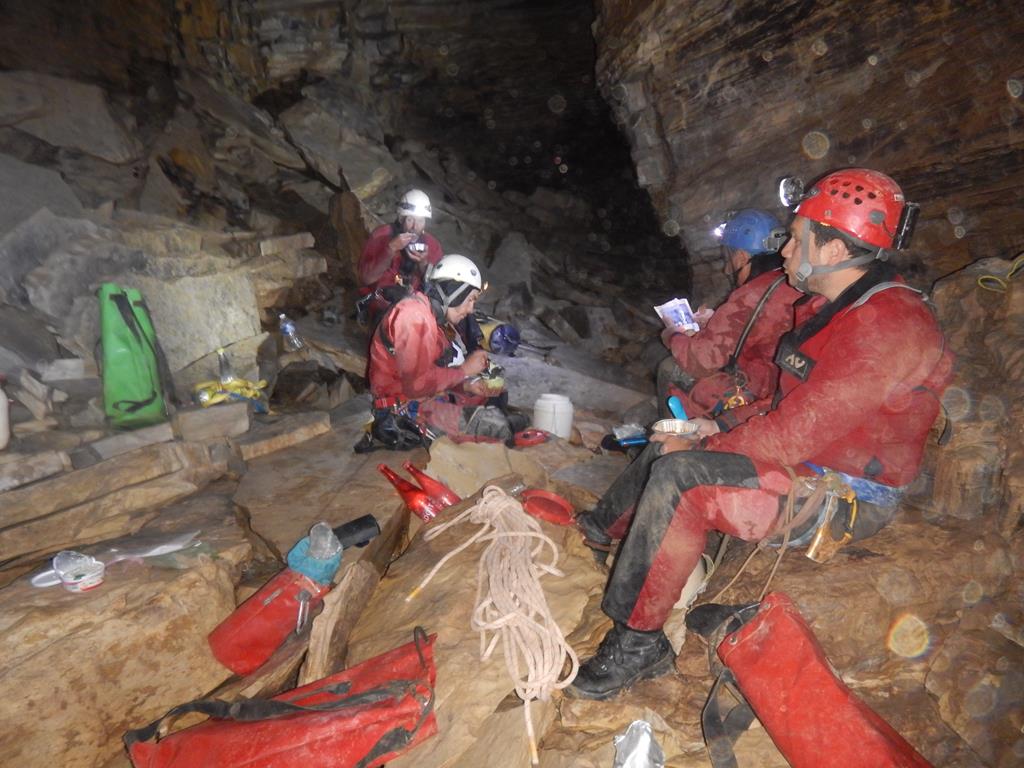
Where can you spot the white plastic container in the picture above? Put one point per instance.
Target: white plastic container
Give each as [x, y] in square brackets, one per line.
[78, 572]
[553, 413]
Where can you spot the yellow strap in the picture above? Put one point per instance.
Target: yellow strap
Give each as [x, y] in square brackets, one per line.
[999, 284]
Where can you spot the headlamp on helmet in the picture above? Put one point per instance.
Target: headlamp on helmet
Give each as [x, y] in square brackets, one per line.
[752, 230]
[791, 191]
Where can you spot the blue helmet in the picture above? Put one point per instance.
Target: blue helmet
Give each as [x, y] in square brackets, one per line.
[754, 231]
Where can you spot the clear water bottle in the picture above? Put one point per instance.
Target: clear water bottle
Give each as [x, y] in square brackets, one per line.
[323, 544]
[227, 373]
[292, 341]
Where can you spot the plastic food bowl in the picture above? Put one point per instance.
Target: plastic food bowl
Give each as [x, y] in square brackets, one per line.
[674, 427]
[545, 505]
[531, 436]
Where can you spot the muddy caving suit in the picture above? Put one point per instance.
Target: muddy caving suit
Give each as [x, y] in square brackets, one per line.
[861, 378]
[410, 372]
[389, 277]
[694, 371]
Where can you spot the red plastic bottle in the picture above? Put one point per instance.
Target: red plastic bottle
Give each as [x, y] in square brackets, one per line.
[440, 492]
[416, 499]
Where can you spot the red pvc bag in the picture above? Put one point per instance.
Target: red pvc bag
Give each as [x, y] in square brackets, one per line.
[249, 636]
[814, 719]
[364, 716]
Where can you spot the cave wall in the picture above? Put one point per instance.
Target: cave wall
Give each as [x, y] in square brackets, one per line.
[124, 44]
[719, 100]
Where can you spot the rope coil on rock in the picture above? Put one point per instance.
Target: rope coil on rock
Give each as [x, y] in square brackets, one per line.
[510, 604]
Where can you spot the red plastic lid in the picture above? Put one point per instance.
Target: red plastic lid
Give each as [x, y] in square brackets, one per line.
[545, 505]
[530, 437]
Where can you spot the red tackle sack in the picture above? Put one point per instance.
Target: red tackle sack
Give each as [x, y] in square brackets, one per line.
[364, 716]
[248, 637]
[781, 671]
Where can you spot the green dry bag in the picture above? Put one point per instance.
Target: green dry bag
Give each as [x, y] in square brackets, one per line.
[133, 393]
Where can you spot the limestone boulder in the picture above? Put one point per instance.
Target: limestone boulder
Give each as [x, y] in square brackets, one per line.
[107, 499]
[233, 115]
[340, 140]
[26, 341]
[26, 189]
[974, 475]
[41, 105]
[194, 315]
[512, 266]
[527, 378]
[87, 667]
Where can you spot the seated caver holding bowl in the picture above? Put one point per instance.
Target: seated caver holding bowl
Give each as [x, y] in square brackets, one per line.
[423, 382]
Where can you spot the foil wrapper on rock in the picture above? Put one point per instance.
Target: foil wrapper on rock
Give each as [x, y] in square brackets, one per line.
[636, 747]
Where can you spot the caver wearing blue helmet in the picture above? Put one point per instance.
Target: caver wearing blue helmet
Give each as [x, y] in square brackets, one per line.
[753, 239]
[741, 334]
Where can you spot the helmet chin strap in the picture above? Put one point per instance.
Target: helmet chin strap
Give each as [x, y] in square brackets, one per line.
[806, 269]
[447, 299]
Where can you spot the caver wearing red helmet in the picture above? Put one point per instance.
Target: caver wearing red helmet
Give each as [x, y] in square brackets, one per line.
[861, 377]
[866, 206]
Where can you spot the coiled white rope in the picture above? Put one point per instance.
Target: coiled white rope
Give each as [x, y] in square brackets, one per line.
[510, 604]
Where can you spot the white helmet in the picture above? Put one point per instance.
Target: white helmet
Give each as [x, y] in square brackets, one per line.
[458, 269]
[414, 203]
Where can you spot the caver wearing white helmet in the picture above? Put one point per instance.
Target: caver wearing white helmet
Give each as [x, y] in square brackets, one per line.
[396, 256]
[452, 281]
[417, 371]
[413, 210]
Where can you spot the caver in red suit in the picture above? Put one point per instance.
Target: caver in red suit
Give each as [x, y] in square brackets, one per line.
[412, 368]
[379, 267]
[395, 259]
[389, 275]
[862, 374]
[704, 370]
[702, 357]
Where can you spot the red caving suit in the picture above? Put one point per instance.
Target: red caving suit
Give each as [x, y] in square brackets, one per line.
[379, 269]
[858, 395]
[408, 361]
[703, 355]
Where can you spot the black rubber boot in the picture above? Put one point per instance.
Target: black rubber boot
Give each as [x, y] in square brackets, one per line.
[594, 536]
[624, 657]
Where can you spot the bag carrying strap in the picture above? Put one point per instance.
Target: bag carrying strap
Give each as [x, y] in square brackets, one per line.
[254, 710]
[722, 731]
[124, 308]
[733, 362]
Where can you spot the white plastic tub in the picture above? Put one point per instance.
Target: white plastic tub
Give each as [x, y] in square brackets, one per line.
[553, 413]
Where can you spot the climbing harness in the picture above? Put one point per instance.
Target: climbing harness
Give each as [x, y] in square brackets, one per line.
[825, 494]
[510, 604]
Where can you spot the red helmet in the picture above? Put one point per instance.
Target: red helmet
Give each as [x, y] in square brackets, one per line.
[860, 202]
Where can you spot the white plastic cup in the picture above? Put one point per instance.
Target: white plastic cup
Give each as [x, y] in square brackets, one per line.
[78, 572]
[553, 413]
